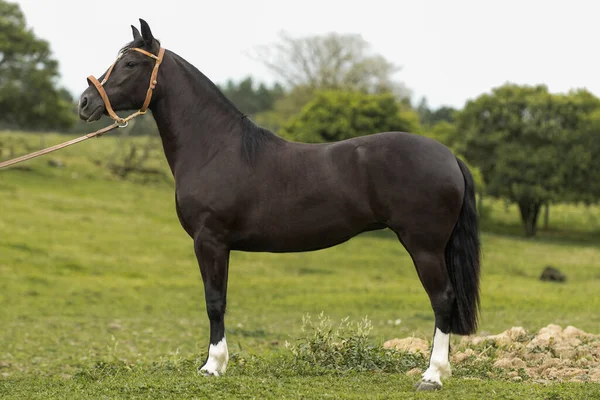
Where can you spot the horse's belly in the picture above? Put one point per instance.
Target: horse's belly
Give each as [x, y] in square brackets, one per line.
[323, 208]
[297, 237]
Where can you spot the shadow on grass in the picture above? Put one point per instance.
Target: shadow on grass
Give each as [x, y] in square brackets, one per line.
[550, 236]
[562, 237]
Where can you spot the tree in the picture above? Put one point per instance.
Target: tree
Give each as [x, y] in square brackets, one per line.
[332, 61]
[430, 117]
[531, 146]
[249, 99]
[337, 115]
[584, 172]
[285, 107]
[444, 132]
[29, 97]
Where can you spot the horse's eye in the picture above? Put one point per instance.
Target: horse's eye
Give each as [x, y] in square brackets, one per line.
[130, 64]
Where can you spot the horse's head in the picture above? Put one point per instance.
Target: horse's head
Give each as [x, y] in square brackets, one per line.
[127, 82]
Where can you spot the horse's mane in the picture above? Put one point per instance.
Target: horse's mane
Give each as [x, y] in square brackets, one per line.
[254, 138]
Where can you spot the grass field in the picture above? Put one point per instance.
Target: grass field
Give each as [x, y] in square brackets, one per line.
[100, 294]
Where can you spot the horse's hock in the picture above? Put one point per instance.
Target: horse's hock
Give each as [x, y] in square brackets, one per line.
[553, 354]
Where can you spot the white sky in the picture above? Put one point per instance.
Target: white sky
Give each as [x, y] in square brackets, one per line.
[449, 50]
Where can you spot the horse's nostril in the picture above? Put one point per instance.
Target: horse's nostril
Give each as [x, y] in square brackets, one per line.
[83, 102]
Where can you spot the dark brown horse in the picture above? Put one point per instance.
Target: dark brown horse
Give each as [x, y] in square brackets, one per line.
[241, 187]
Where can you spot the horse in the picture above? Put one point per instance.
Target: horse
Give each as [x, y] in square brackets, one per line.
[240, 187]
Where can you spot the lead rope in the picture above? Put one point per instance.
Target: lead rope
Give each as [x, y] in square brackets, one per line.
[47, 150]
[119, 122]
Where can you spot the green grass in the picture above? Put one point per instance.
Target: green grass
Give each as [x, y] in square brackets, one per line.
[100, 294]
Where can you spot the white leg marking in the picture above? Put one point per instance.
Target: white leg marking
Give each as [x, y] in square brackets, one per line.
[218, 356]
[439, 366]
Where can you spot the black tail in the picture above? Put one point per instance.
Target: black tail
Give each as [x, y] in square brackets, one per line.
[462, 261]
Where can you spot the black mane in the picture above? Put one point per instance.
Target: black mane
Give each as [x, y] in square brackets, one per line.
[254, 138]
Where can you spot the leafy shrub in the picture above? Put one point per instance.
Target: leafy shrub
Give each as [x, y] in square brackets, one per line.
[347, 348]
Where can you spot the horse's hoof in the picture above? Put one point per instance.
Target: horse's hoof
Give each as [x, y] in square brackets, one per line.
[205, 372]
[422, 386]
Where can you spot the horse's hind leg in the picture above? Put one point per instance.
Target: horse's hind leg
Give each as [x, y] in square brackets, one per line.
[440, 231]
[434, 276]
[431, 268]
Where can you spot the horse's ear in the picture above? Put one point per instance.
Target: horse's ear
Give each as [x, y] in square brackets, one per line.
[146, 33]
[136, 34]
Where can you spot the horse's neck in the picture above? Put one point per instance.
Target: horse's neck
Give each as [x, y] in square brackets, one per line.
[192, 116]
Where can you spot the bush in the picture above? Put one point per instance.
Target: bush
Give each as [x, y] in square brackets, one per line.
[337, 115]
[347, 348]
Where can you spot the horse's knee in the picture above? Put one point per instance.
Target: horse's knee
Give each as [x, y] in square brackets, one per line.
[215, 309]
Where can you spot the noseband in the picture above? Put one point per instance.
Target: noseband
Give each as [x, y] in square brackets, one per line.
[100, 86]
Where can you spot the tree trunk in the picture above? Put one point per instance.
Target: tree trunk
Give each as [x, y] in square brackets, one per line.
[529, 216]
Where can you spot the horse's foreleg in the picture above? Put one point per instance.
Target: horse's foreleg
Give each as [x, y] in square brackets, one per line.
[213, 258]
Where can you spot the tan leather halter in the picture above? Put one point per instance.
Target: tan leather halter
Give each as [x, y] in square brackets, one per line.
[100, 86]
[119, 122]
